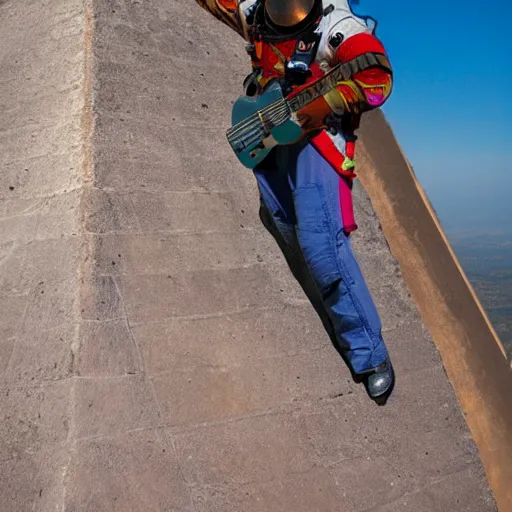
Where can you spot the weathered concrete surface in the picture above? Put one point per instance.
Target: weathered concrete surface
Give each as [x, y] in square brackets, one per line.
[172, 364]
[41, 174]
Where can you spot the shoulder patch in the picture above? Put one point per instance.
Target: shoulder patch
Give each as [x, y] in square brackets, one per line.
[335, 40]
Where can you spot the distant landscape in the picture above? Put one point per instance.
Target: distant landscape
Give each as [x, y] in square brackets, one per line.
[487, 262]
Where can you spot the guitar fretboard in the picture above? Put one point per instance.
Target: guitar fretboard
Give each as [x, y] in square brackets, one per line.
[331, 79]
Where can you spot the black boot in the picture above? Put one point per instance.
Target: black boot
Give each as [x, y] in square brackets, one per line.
[379, 382]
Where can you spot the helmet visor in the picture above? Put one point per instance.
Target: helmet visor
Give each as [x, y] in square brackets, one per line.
[288, 13]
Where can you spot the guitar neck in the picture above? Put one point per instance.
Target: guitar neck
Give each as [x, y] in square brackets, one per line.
[313, 91]
[337, 74]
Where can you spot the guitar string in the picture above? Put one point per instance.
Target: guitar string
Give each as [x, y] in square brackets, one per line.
[274, 116]
[255, 118]
[276, 111]
[252, 134]
[293, 101]
[328, 78]
[250, 127]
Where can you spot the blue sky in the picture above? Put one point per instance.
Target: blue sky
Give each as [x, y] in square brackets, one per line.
[451, 107]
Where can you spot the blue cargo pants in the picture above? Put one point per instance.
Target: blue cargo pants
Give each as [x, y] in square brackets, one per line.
[300, 207]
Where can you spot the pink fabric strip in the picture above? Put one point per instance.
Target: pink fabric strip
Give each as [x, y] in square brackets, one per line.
[347, 207]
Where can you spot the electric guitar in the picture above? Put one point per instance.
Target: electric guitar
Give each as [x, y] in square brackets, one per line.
[259, 124]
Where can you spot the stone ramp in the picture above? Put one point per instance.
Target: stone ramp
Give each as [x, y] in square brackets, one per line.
[156, 354]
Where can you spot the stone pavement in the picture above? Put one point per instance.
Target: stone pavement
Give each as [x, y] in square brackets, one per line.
[156, 355]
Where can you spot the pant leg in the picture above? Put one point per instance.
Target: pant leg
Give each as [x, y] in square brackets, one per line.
[330, 260]
[277, 215]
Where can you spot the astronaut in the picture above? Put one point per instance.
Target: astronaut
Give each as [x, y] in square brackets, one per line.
[305, 187]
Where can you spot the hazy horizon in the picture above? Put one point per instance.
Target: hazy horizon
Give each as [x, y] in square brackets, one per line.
[481, 207]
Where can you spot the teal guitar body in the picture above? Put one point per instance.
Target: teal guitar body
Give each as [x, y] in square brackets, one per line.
[259, 124]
